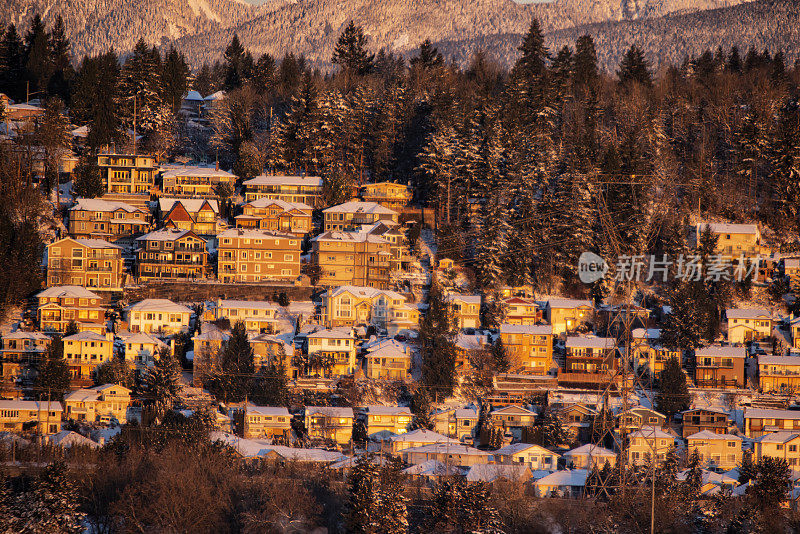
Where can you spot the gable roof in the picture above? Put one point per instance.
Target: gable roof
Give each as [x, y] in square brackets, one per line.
[191, 205]
[265, 202]
[366, 292]
[422, 435]
[770, 413]
[386, 410]
[565, 477]
[98, 204]
[591, 450]
[252, 233]
[591, 342]
[328, 411]
[195, 171]
[755, 313]
[168, 234]
[87, 242]
[513, 409]
[569, 303]
[308, 181]
[161, 305]
[709, 435]
[67, 292]
[492, 472]
[725, 352]
[355, 206]
[539, 330]
[729, 228]
[515, 448]
[86, 336]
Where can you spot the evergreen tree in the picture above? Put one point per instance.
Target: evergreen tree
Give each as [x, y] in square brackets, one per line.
[429, 56]
[634, 68]
[533, 62]
[437, 335]
[249, 161]
[52, 505]
[53, 135]
[548, 431]
[361, 515]
[673, 395]
[500, 359]
[61, 62]
[351, 52]
[392, 504]
[682, 327]
[87, 181]
[114, 371]
[586, 71]
[105, 121]
[174, 79]
[161, 384]
[264, 74]
[38, 63]
[271, 385]
[785, 157]
[12, 64]
[235, 75]
[694, 475]
[734, 63]
[421, 410]
[233, 381]
[492, 311]
[296, 148]
[747, 470]
[52, 376]
[667, 473]
[771, 483]
[493, 243]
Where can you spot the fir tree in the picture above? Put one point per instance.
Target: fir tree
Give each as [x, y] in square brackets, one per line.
[421, 410]
[437, 335]
[493, 242]
[140, 97]
[53, 135]
[37, 55]
[271, 385]
[500, 360]
[747, 470]
[392, 504]
[361, 516]
[785, 158]
[52, 506]
[694, 475]
[52, 376]
[12, 64]
[233, 381]
[532, 64]
[264, 74]
[772, 482]
[682, 327]
[428, 57]
[585, 62]
[235, 75]
[104, 120]
[114, 371]
[351, 52]
[174, 79]
[548, 431]
[87, 181]
[634, 68]
[673, 395]
[61, 62]
[161, 384]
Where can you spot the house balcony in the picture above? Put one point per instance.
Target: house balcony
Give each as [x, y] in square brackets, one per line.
[716, 383]
[779, 372]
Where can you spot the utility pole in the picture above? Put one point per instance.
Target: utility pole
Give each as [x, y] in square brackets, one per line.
[134, 127]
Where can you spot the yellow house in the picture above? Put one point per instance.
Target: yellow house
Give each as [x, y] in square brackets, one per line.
[529, 347]
[354, 214]
[749, 325]
[734, 239]
[389, 360]
[446, 453]
[416, 438]
[303, 189]
[266, 422]
[337, 346]
[329, 423]
[785, 445]
[257, 315]
[388, 194]
[760, 421]
[648, 353]
[30, 416]
[127, 173]
[722, 451]
[195, 181]
[141, 350]
[512, 417]
[60, 305]
[521, 310]
[354, 305]
[206, 345]
[587, 456]
[649, 442]
[533, 456]
[458, 423]
[778, 373]
[91, 263]
[267, 347]
[84, 351]
[159, 316]
[394, 419]
[100, 403]
[466, 309]
[19, 350]
[566, 315]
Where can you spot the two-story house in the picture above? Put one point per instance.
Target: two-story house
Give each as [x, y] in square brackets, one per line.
[720, 367]
[83, 352]
[394, 419]
[170, 254]
[267, 348]
[257, 256]
[41, 417]
[60, 305]
[199, 215]
[534, 456]
[566, 315]
[266, 422]
[329, 423]
[354, 305]
[733, 240]
[716, 451]
[588, 456]
[300, 189]
[778, 373]
[529, 347]
[194, 181]
[466, 310]
[275, 215]
[521, 311]
[512, 417]
[332, 352]
[749, 325]
[760, 421]
[388, 360]
[126, 175]
[390, 195]
[257, 315]
[354, 214]
[590, 362]
[447, 454]
[158, 316]
[457, 423]
[576, 418]
[704, 419]
[352, 258]
[95, 218]
[783, 445]
[19, 350]
[141, 350]
[91, 263]
[99, 403]
[649, 355]
[649, 442]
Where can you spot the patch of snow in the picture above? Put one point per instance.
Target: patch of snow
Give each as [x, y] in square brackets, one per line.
[401, 42]
[201, 7]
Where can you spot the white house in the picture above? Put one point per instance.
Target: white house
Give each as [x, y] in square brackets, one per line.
[160, 316]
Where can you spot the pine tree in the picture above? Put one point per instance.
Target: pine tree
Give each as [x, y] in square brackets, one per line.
[53, 135]
[351, 52]
[52, 377]
[61, 62]
[235, 75]
[52, 506]
[236, 366]
[747, 470]
[392, 504]
[174, 79]
[12, 64]
[667, 473]
[271, 385]
[161, 384]
[634, 68]
[38, 63]
[500, 359]
[114, 371]
[785, 158]
[532, 64]
[421, 410]
[87, 181]
[429, 56]
[771, 483]
[673, 395]
[361, 515]
[264, 74]
[586, 71]
[694, 475]
[437, 335]
[682, 328]
[105, 120]
[493, 243]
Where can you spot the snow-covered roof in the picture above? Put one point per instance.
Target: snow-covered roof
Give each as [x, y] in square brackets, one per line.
[650, 432]
[264, 202]
[646, 333]
[781, 436]
[468, 299]
[512, 409]
[433, 468]
[539, 330]
[21, 334]
[771, 413]
[356, 206]
[159, 305]
[192, 205]
[308, 181]
[565, 477]
[768, 359]
[709, 435]
[141, 338]
[196, 171]
[193, 95]
[366, 292]
[5, 404]
[591, 342]
[333, 333]
[709, 477]
[352, 237]
[728, 228]
[492, 472]
[422, 435]
[85, 336]
[67, 292]
[94, 243]
[250, 233]
[98, 204]
[386, 410]
[755, 313]
[165, 234]
[273, 411]
[515, 448]
[466, 413]
[725, 352]
[219, 95]
[470, 341]
[569, 303]
[447, 448]
[328, 411]
[67, 439]
[590, 450]
[389, 351]
[249, 304]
